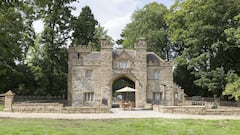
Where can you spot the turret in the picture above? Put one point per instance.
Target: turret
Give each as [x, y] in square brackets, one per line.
[141, 44]
[106, 44]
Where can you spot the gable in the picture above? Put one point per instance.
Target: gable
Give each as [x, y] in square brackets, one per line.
[123, 55]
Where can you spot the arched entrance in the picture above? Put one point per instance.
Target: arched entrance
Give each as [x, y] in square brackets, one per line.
[119, 83]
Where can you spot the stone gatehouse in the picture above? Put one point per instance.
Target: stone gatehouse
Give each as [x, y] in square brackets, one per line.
[91, 76]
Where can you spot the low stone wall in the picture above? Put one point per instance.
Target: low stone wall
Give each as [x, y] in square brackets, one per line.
[86, 110]
[199, 110]
[38, 107]
[55, 108]
[223, 111]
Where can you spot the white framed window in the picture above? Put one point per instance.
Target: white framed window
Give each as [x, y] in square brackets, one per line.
[88, 74]
[88, 96]
[123, 64]
[157, 74]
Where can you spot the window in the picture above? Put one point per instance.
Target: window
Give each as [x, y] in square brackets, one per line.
[157, 74]
[123, 64]
[157, 97]
[88, 74]
[88, 96]
[176, 95]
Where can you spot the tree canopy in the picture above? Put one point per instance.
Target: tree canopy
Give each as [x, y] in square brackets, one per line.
[148, 22]
[16, 36]
[203, 28]
[33, 64]
[84, 27]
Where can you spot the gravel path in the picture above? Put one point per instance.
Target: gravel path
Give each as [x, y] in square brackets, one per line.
[116, 114]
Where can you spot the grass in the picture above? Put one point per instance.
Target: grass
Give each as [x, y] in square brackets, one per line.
[118, 127]
[1, 107]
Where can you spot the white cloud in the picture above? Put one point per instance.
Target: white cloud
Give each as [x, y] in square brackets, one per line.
[115, 25]
[112, 14]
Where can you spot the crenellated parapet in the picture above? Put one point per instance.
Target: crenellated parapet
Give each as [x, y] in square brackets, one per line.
[140, 44]
[106, 44]
[82, 48]
[77, 52]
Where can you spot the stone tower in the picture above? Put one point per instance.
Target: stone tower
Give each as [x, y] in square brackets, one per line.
[140, 65]
[106, 71]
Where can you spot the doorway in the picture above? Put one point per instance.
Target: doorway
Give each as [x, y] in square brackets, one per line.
[117, 97]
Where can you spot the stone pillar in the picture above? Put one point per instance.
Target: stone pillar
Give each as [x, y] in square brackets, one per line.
[141, 72]
[106, 72]
[8, 101]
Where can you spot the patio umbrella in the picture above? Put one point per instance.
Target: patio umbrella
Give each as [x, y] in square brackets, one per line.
[128, 92]
[126, 89]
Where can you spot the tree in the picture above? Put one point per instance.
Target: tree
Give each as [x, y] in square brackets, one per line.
[233, 85]
[184, 78]
[84, 28]
[149, 22]
[54, 39]
[201, 27]
[99, 34]
[16, 35]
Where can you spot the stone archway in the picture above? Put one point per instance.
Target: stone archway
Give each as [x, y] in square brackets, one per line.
[121, 81]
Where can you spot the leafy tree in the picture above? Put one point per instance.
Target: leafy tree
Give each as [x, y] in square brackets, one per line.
[202, 26]
[99, 34]
[84, 27]
[233, 33]
[149, 22]
[16, 35]
[183, 77]
[120, 41]
[233, 85]
[54, 39]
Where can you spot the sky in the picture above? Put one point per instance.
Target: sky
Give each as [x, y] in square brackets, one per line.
[113, 15]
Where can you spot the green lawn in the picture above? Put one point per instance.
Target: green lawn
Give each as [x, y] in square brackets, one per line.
[1, 107]
[118, 127]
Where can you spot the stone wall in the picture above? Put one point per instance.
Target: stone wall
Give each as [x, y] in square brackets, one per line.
[223, 111]
[38, 107]
[86, 110]
[56, 108]
[198, 110]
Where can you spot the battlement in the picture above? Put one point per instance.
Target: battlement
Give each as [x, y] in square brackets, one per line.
[140, 44]
[106, 44]
[82, 48]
